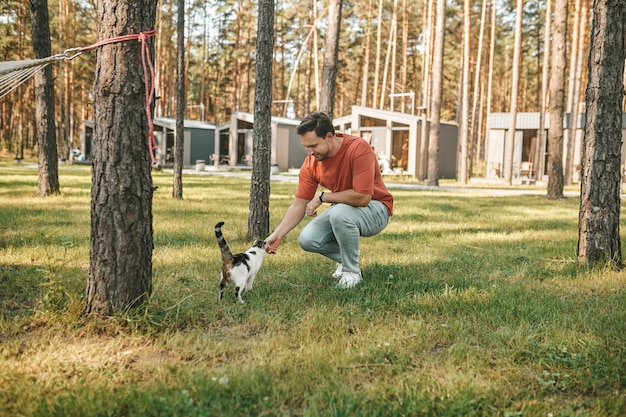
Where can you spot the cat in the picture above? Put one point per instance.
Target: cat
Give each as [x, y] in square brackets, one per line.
[240, 268]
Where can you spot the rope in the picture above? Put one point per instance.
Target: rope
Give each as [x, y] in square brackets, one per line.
[14, 73]
[148, 69]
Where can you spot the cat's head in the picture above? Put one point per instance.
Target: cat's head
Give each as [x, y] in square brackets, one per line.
[261, 244]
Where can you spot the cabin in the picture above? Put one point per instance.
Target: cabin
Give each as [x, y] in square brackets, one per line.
[235, 144]
[397, 139]
[526, 157]
[199, 142]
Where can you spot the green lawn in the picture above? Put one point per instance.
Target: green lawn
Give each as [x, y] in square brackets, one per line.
[470, 305]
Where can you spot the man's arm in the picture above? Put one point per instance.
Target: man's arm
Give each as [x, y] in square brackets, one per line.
[349, 197]
[293, 216]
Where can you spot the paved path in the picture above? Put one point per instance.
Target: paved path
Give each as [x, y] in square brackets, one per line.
[470, 191]
[473, 191]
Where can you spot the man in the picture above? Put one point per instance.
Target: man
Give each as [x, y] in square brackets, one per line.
[347, 169]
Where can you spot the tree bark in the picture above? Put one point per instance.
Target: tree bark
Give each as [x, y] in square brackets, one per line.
[379, 28]
[510, 135]
[570, 133]
[492, 49]
[464, 127]
[179, 142]
[331, 50]
[541, 133]
[427, 30]
[598, 225]
[433, 139]
[557, 87]
[474, 146]
[120, 261]
[258, 220]
[45, 129]
[574, 115]
[366, 56]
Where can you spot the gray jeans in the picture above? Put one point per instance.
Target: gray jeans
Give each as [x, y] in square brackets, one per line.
[336, 232]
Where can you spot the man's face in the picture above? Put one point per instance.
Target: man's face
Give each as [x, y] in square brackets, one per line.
[316, 146]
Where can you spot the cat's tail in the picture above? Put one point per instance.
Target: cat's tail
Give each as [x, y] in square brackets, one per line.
[226, 253]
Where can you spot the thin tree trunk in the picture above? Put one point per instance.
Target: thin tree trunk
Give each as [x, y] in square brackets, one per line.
[331, 51]
[404, 49]
[392, 34]
[366, 56]
[570, 136]
[545, 71]
[517, 50]
[598, 225]
[557, 98]
[44, 102]
[427, 30]
[378, 47]
[492, 48]
[575, 165]
[259, 218]
[433, 142]
[315, 58]
[464, 127]
[179, 142]
[473, 154]
[309, 68]
[392, 53]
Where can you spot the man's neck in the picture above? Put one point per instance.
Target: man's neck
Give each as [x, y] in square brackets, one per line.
[336, 143]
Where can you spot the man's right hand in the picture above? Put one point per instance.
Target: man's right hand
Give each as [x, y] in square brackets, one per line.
[273, 242]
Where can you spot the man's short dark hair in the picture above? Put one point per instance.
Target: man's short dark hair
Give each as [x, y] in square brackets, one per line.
[317, 122]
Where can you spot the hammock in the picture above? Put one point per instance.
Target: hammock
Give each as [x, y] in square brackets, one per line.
[15, 73]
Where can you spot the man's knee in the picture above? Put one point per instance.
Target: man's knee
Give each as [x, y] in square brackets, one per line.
[306, 242]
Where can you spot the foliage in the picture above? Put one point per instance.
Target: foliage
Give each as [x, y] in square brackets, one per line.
[472, 304]
[221, 43]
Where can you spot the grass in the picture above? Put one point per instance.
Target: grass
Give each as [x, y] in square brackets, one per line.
[470, 305]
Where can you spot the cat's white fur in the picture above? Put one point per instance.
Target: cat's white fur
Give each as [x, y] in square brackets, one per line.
[240, 268]
[243, 275]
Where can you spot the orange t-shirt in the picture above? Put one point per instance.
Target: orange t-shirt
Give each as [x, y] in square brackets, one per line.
[354, 167]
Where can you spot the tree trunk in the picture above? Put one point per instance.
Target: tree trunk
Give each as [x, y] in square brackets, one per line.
[492, 49]
[557, 87]
[48, 165]
[379, 28]
[258, 220]
[405, 54]
[427, 31]
[575, 165]
[510, 135]
[120, 261]
[541, 133]
[390, 42]
[474, 147]
[393, 41]
[571, 97]
[315, 58]
[329, 67]
[366, 57]
[433, 139]
[179, 141]
[464, 127]
[598, 225]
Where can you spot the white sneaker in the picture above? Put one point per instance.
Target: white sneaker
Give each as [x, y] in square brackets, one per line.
[338, 271]
[349, 279]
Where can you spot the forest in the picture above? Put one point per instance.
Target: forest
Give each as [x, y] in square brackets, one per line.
[384, 61]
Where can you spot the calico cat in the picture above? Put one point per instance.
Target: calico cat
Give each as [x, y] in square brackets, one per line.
[240, 268]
